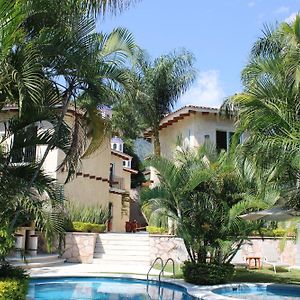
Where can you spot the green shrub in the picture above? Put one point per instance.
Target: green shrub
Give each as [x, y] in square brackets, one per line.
[278, 232]
[156, 230]
[7, 242]
[96, 214]
[14, 283]
[8, 271]
[207, 274]
[13, 289]
[89, 227]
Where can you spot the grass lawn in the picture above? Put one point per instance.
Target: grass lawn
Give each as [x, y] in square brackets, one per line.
[245, 275]
[267, 275]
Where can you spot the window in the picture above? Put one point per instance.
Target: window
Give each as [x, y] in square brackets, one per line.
[124, 163]
[24, 154]
[115, 146]
[111, 174]
[221, 140]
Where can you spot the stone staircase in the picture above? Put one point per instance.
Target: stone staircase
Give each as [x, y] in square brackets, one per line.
[36, 261]
[119, 249]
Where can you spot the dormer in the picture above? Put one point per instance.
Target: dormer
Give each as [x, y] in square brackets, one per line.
[106, 112]
[117, 144]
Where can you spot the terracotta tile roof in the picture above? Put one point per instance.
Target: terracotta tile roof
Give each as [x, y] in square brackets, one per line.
[121, 154]
[130, 170]
[181, 113]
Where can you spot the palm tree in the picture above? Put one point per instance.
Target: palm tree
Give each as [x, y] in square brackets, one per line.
[43, 73]
[205, 194]
[162, 82]
[268, 108]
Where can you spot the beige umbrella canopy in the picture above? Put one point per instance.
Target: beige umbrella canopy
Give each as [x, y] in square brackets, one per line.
[276, 213]
[279, 214]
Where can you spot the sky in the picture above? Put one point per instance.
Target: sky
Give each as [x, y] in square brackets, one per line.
[220, 34]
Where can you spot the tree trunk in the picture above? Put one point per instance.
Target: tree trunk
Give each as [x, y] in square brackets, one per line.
[156, 142]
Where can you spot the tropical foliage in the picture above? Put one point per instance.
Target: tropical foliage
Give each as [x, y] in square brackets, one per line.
[92, 214]
[205, 195]
[156, 87]
[52, 63]
[14, 282]
[268, 108]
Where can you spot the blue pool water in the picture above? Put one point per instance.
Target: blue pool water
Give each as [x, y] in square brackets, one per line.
[82, 288]
[272, 291]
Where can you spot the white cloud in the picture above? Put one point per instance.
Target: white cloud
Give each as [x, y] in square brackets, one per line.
[291, 18]
[251, 4]
[206, 91]
[282, 10]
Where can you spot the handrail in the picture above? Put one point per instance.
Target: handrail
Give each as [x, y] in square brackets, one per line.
[152, 265]
[163, 268]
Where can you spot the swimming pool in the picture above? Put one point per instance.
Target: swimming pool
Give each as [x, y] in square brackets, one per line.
[261, 292]
[82, 288]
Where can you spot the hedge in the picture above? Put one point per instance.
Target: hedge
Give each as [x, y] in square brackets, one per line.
[156, 230]
[89, 227]
[14, 283]
[278, 232]
[13, 289]
[207, 274]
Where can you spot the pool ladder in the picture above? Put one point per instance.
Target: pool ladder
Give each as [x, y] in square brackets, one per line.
[163, 266]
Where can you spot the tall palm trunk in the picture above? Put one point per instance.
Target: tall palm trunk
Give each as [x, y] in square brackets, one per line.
[156, 142]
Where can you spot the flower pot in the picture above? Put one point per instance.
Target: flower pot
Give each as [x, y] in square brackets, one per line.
[128, 227]
[109, 226]
[133, 226]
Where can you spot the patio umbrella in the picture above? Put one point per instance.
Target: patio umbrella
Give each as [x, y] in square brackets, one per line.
[276, 213]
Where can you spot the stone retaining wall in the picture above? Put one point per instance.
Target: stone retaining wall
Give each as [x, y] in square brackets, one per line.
[79, 247]
[271, 248]
[165, 246]
[169, 246]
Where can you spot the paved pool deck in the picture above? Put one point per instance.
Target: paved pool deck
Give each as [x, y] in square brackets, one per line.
[69, 269]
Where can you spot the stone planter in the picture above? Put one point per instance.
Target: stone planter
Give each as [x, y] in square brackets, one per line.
[79, 247]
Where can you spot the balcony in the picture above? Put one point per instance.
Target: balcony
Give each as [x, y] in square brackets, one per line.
[116, 184]
[24, 156]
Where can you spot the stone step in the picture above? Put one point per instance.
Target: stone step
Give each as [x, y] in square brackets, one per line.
[122, 252]
[115, 244]
[110, 262]
[123, 236]
[121, 247]
[39, 264]
[122, 257]
[33, 258]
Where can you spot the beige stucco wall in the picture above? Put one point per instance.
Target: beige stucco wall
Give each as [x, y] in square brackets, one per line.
[90, 186]
[192, 130]
[120, 206]
[120, 212]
